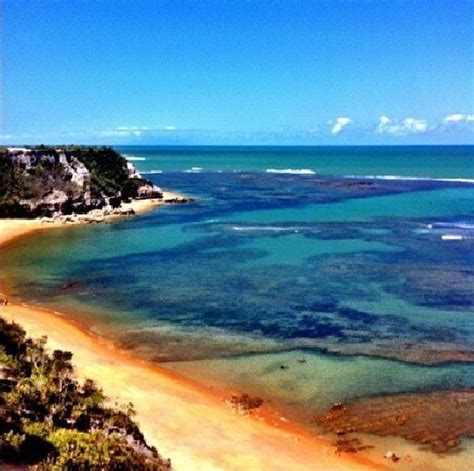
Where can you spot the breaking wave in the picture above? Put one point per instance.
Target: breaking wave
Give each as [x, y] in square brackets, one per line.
[402, 178]
[266, 228]
[453, 237]
[302, 171]
[132, 158]
[454, 225]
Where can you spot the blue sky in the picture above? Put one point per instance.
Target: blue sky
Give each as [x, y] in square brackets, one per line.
[238, 72]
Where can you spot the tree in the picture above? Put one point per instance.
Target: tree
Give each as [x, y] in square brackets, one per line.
[49, 420]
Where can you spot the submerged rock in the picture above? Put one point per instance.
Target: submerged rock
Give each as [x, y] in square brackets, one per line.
[244, 404]
[437, 419]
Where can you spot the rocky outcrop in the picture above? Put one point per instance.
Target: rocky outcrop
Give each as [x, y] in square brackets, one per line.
[178, 200]
[132, 171]
[46, 181]
[79, 173]
[149, 190]
[438, 420]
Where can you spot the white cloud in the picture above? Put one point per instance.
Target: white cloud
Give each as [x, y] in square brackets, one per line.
[339, 124]
[136, 131]
[400, 128]
[125, 131]
[132, 128]
[115, 133]
[415, 125]
[458, 118]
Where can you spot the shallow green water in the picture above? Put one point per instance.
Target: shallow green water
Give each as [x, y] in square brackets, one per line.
[265, 268]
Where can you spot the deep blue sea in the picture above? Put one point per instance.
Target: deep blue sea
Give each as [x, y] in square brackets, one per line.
[360, 259]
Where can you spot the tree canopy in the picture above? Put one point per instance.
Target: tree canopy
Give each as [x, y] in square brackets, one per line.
[50, 421]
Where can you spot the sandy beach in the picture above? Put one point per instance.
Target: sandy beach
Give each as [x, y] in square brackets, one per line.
[11, 229]
[186, 421]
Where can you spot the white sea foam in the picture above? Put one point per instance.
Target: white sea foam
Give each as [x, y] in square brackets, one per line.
[460, 230]
[133, 158]
[302, 171]
[421, 179]
[151, 172]
[193, 170]
[454, 225]
[266, 228]
[452, 237]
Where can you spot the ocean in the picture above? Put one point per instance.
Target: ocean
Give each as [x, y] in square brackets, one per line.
[357, 260]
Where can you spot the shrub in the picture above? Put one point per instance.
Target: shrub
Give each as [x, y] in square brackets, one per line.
[50, 420]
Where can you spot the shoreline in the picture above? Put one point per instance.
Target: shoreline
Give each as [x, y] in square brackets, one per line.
[186, 420]
[12, 229]
[195, 428]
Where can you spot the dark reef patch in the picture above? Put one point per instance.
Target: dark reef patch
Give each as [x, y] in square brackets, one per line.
[437, 420]
[411, 288]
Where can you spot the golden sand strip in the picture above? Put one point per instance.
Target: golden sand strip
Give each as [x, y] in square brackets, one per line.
[11, 229]
[186, 421]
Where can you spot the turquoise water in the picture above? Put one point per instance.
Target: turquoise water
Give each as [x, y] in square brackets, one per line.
[321, 380]
[371, 280]
[415, 161]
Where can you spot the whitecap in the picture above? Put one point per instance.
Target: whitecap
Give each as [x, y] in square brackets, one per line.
[405, 178]
[266, 228]
[452, 237]
[132, 158]
[302, 171]
[455, 225]
[151, 172]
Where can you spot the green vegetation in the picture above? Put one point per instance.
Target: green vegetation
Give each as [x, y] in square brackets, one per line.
[130, 188]
[11, 184]
[41, 181]
[107, 167]
[49, 421]
[34, 184]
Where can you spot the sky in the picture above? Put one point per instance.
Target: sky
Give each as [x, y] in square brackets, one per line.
[313, 72]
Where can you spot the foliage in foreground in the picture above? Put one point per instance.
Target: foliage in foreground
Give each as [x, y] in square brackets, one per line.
[49, 421]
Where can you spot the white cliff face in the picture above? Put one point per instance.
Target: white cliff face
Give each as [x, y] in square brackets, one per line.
[21, 158]
[63, 159]
[55, 198]
[79, 172]
[21, 150]
[132, 171]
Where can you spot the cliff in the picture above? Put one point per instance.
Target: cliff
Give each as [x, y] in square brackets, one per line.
[47, 181]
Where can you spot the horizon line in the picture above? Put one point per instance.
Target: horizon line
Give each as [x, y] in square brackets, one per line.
[235, 145]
